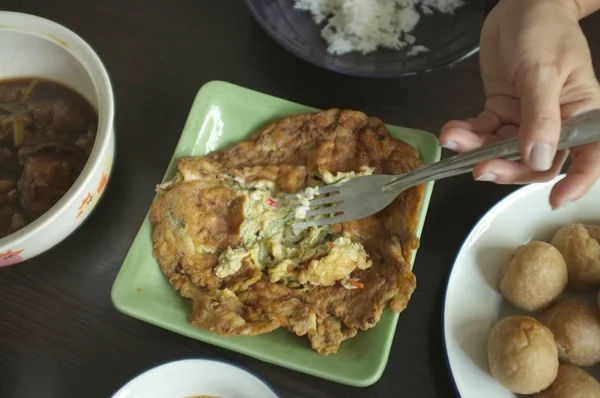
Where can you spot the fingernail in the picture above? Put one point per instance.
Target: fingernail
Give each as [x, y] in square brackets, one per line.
[564, 204]
[451, 145]
[541, 156]
[487, 177]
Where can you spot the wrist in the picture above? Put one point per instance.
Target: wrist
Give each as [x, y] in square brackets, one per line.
[586, 7]
[577, 9]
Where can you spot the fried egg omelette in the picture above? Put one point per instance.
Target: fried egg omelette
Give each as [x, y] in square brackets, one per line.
[222, 232]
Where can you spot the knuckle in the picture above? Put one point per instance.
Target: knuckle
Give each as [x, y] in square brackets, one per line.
[544, 120]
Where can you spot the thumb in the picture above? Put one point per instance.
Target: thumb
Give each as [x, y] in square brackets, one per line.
[540, 119]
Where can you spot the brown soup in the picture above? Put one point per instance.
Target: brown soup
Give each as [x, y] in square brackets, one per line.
[47, 132]
[204, 396]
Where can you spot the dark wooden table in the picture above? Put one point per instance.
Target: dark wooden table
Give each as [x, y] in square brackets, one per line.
[60, 335]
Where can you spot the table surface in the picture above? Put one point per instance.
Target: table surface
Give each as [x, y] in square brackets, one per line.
[60, 335]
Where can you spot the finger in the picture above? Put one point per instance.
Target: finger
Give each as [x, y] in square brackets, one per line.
[507, 132]
[576, 108]
[458, 136]
[503, 171]
[581, 176]
[470, 140]
[487, 122]
[470, 134]
[582, 98]
[507, 109]
[540, 113]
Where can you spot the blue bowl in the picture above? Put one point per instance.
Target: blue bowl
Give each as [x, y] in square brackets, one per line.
[449, 38]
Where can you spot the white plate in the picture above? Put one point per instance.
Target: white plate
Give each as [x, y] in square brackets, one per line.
[192, 378]
[473, 302]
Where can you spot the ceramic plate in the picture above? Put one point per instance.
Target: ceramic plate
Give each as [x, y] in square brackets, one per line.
[221, 115]
[196, 378]
[473, 302]
[450, 38]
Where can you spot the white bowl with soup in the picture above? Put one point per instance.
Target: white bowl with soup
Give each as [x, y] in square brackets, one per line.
[196, 378]
[56, 134]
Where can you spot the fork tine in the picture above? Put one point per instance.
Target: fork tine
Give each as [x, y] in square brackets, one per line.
[324, 190]
[324, 210]
[318, 223]
[324, 201]
[328, 189]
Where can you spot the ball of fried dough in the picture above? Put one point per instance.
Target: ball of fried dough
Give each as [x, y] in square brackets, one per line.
[534, 276]
[579, 246]
[572, 382]
[594, 231]
[576, 329]
[522, 354]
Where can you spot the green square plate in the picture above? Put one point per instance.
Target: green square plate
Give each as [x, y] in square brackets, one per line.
[221, 115]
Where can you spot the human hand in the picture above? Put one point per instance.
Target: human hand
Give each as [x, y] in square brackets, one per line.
[537, 70]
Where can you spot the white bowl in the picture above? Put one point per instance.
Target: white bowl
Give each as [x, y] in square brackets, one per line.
[190, 378]
[474, 303]
[33, 46]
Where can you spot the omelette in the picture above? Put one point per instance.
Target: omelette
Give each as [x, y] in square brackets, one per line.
[223, 235]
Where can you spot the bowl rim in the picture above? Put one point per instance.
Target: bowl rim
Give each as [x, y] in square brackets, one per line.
[32, 25]
[357, 72]
[183, 361]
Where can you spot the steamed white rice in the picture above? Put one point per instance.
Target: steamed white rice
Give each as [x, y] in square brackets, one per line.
[365, 25]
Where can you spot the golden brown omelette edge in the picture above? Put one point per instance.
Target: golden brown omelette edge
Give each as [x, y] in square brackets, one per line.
[195, 218]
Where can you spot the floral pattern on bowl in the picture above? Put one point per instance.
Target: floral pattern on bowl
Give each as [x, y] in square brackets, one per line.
[89, 201]
[10, 258]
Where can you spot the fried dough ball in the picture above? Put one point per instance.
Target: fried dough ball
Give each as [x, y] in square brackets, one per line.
[594, 231]
[572, 382]
[576, 329]
[522, 354]
[579, 246]
[534, 276]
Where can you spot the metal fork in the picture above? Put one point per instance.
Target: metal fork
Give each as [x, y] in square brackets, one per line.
[363, 196]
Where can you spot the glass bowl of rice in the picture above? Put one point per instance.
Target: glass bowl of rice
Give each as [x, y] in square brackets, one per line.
[375, 38]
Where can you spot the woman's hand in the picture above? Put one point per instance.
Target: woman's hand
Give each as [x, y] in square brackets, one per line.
[537, 70]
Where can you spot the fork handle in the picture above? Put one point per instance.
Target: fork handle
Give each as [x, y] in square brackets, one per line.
[579, 130]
